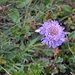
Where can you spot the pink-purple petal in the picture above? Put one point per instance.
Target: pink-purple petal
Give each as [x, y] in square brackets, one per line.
[52, 34]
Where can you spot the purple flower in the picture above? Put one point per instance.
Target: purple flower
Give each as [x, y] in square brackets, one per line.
[52, 34]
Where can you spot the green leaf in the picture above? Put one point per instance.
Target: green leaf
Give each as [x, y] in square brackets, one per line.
[18, 73]
[10, 55]
[72, 35]
[14, 15]
[2, 1]
[66, 8]
[45, 62]
[22, 47]
[63, 18]
[35, 69]
[33, 41]
[73, 48]
[11, 30]
[59, 59]
[62, 68]
[22, 3]
[47, 52]
[55, 15]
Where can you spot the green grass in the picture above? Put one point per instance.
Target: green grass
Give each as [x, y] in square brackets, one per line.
[21, 51]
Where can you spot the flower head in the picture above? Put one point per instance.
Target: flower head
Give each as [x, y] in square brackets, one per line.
[52, 34]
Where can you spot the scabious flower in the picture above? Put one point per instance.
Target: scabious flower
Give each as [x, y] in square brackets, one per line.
[52, 34]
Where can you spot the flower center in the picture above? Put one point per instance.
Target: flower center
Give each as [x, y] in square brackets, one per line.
[53, 31]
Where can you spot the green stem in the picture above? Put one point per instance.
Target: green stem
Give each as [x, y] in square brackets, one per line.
[70, 48]
[5, 70]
